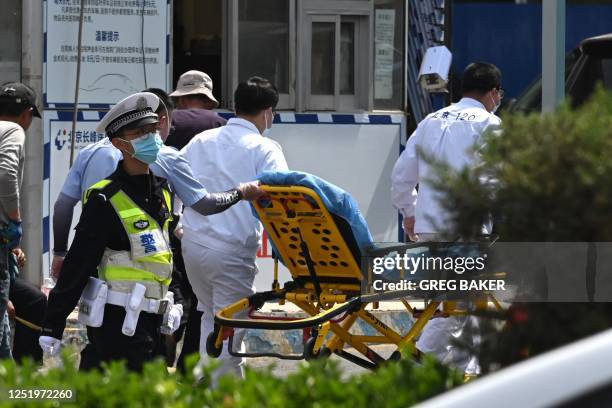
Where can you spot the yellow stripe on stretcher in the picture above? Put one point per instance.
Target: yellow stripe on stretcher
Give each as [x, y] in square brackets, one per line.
[295, 213]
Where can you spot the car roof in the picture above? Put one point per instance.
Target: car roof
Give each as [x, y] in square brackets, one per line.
[600, 46]
[545, 380]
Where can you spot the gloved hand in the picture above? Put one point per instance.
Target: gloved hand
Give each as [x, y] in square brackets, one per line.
[50, 345]
[56, 266]
[408, 225]
[10, 309]
[178, 231]
[10, 234]
[20, 255]
[173, 320]
[251, 191]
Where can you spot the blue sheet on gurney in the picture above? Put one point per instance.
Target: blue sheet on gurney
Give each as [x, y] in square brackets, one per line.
[337, 201]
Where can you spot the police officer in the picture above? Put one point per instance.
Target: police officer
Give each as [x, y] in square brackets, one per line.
[98, 160]
[122, 238]
[450, 135]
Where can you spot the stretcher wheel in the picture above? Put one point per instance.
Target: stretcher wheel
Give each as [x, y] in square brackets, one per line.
[309, 353]
[211, 349]
[395, 356]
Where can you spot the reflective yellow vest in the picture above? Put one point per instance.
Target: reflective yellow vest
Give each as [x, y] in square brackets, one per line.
[149, 260]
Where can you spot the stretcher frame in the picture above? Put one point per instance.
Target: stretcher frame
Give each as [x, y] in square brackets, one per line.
[327, 284]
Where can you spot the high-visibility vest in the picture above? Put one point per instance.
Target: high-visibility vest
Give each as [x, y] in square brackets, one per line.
[149, 260]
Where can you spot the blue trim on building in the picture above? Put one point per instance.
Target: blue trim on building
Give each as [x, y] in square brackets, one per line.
[380, 120]
[62, 105]
[45, 237]
[344, 119]
[167, 48]
[99, 106]
[306, 118]
[47, 161]
[70, 107]
[336, 118]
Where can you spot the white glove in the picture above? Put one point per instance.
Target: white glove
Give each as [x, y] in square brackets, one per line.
[173, 321]
[178, 231]
[50, 345]
[251, 190]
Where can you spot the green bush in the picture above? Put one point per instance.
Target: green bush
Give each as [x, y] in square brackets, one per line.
[319, 384]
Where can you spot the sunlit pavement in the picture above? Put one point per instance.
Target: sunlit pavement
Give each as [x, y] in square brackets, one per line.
[281, 368]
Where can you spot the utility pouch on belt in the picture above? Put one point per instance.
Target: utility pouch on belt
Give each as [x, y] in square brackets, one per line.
[91, 304]
[133, 306]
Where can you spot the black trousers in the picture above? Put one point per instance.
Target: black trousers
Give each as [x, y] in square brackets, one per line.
[30, 304]
[107, 343]
[192, 319]
[191, 336]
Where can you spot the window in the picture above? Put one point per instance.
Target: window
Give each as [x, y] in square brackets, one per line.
[320, 54]
[333, 54]
[388, 54]
[333, 60]
[333, 51]
[198, 41]
[263, 41]
[259, 37]
[10, 46]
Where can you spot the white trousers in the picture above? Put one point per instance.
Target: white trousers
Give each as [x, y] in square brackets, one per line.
[440, 334]
[219, 279]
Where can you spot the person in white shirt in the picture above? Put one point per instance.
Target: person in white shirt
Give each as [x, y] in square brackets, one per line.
[220, 250]
[450, 135]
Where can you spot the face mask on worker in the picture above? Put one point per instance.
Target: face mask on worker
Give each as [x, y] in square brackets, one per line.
[495, 105]
[266, 131]
[146, 147]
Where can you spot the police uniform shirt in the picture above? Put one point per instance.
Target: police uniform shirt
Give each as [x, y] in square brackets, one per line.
[99, 228]
[100, 159]
[450, 135]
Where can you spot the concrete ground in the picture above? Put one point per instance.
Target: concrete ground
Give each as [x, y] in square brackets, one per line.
[281, 368]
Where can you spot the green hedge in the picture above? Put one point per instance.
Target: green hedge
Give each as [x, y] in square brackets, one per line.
[318, 384]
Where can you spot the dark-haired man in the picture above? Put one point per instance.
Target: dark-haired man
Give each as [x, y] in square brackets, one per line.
[450, 135]
[220, 251]
[17, 109]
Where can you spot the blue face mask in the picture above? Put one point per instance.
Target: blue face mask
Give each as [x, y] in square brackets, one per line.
[146, 147]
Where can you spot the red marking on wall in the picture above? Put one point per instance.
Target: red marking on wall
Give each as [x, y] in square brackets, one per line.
[265, 251]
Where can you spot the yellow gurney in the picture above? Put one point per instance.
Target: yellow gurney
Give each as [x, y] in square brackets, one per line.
[320, 251]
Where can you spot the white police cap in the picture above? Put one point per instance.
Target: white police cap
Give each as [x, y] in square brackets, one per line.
[134, 111]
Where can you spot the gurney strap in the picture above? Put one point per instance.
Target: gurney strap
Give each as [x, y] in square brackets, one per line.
[311, 268]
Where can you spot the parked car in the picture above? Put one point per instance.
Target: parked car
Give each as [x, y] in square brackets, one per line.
[587, 65]
[578, 375]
